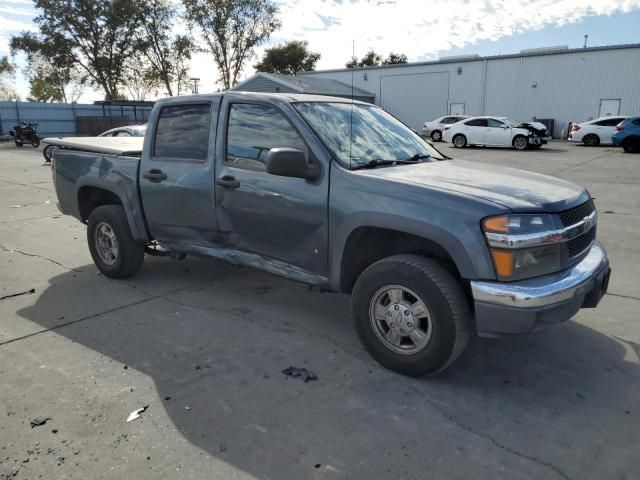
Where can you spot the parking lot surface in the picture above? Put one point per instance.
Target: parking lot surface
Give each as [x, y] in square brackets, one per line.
[203, 344]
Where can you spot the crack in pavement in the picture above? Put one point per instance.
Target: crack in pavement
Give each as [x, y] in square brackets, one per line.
[98, 314]
[26, 292]
[50, 190]
[50, 260]
[630, 297]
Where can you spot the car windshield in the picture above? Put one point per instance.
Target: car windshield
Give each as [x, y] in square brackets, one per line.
[359, 134]
[509, 122]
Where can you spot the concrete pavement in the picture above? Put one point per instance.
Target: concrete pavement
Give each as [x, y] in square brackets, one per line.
[203, 344]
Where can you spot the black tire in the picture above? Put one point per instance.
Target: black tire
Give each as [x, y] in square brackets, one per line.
[461, 141]
[130, 254]
[19, 143]
[591, 140]
[47, 152]
[520, 142]
[35, 142]
[436, 136]
[450, 317]
[631, 145]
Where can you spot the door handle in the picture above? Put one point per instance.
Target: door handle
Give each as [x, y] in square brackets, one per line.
[155, 175]
[228, 181]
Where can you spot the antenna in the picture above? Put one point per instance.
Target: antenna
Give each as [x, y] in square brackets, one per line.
[353, 56]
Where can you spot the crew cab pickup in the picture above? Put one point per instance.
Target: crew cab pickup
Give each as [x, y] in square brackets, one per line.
[341, 195]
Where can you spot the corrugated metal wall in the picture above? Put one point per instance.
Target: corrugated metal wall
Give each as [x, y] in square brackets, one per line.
[58, 119]
[568, 86]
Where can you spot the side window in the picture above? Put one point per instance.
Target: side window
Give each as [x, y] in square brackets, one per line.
[183, 132]
[636, 122]
[448, 120]
[477, 122]
[493, 123]
[253, 130]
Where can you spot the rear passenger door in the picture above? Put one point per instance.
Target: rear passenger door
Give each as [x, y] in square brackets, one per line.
[176, 173]
[475, 131]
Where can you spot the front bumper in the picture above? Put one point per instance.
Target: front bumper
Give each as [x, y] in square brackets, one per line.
[524, 306]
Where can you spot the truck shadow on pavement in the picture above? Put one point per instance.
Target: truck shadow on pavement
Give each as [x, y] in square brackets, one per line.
[214, 338]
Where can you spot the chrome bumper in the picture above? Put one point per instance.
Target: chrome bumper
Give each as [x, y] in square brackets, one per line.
[523, 306]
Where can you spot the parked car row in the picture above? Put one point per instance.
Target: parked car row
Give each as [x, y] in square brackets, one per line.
[617, 130]
[491, 131]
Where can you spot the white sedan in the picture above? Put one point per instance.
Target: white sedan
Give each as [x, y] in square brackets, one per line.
[595, 132]
[435, 127]
[490, 132]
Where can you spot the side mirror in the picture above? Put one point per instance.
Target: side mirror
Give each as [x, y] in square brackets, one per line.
[505, 126]
[289, 162]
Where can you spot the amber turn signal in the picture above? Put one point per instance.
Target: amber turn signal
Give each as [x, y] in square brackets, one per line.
[496, 224]
[503, 262]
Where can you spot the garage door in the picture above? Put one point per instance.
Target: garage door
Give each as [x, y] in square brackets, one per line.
[416, 98]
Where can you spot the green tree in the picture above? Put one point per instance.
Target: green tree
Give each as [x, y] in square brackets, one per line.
[7, 71]
[232, 29]
[97, 37]
[50, 83]
[372, 59]
[169, 55]
[395, 59]
[140, 79]
[288, 58]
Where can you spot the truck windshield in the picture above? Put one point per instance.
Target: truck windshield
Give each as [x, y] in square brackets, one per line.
[360, 135]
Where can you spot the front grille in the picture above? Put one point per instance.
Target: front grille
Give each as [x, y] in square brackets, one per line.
[573, 216]
[579, 244]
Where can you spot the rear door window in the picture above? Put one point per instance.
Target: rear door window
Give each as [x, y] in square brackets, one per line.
[183, 133]
[477, 122]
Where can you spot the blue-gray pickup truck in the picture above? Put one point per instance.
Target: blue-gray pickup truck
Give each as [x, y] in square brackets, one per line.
[341, 195]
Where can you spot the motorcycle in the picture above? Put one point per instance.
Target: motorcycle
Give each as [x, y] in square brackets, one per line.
[26, 132]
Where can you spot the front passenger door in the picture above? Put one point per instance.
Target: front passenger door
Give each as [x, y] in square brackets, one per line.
[498, 133]
[280, 217]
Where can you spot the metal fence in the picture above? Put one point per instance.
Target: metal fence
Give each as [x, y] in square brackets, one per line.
[63, 119]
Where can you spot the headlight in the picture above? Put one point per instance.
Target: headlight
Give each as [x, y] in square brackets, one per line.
[523, 246]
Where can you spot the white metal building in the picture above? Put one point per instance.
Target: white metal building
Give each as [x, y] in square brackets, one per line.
[562, 84]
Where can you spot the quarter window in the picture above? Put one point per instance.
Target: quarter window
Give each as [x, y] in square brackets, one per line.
[183, 132]
[255, 129]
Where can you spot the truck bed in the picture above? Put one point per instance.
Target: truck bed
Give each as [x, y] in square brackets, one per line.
[126, 146]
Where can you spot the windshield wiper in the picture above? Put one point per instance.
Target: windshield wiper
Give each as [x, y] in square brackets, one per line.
[418, 156]
[379, 163]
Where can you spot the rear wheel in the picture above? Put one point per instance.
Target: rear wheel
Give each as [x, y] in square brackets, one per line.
[459, 141]
[436, 135]
[112, 247]
[520, 142]
[411, 314]
[591, 140]
[631, 145]
[48, 152]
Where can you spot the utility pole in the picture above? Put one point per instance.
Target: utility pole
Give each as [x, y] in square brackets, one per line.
[586, 37]
[194, 85]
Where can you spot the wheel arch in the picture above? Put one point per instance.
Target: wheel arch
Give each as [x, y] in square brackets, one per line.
[369, 242]
[94, 193]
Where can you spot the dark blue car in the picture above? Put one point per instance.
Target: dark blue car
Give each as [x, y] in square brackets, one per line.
[627, 135]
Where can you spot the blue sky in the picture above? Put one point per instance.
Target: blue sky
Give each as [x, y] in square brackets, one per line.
[423, 30]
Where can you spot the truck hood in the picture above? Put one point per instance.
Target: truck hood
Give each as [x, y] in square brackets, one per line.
[518, 190]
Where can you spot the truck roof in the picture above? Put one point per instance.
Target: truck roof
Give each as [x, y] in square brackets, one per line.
[272, 97]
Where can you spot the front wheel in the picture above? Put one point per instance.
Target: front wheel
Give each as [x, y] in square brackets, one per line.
[520, 142]
[411, 314]
[35, 141]
[112, 247]
[19, 143]
[459, 141]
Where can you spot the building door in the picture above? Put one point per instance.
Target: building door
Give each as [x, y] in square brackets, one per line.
[456, 109]
[609, 107]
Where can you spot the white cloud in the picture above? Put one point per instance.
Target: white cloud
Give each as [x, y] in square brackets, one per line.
[16, 11]
[421, 29]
